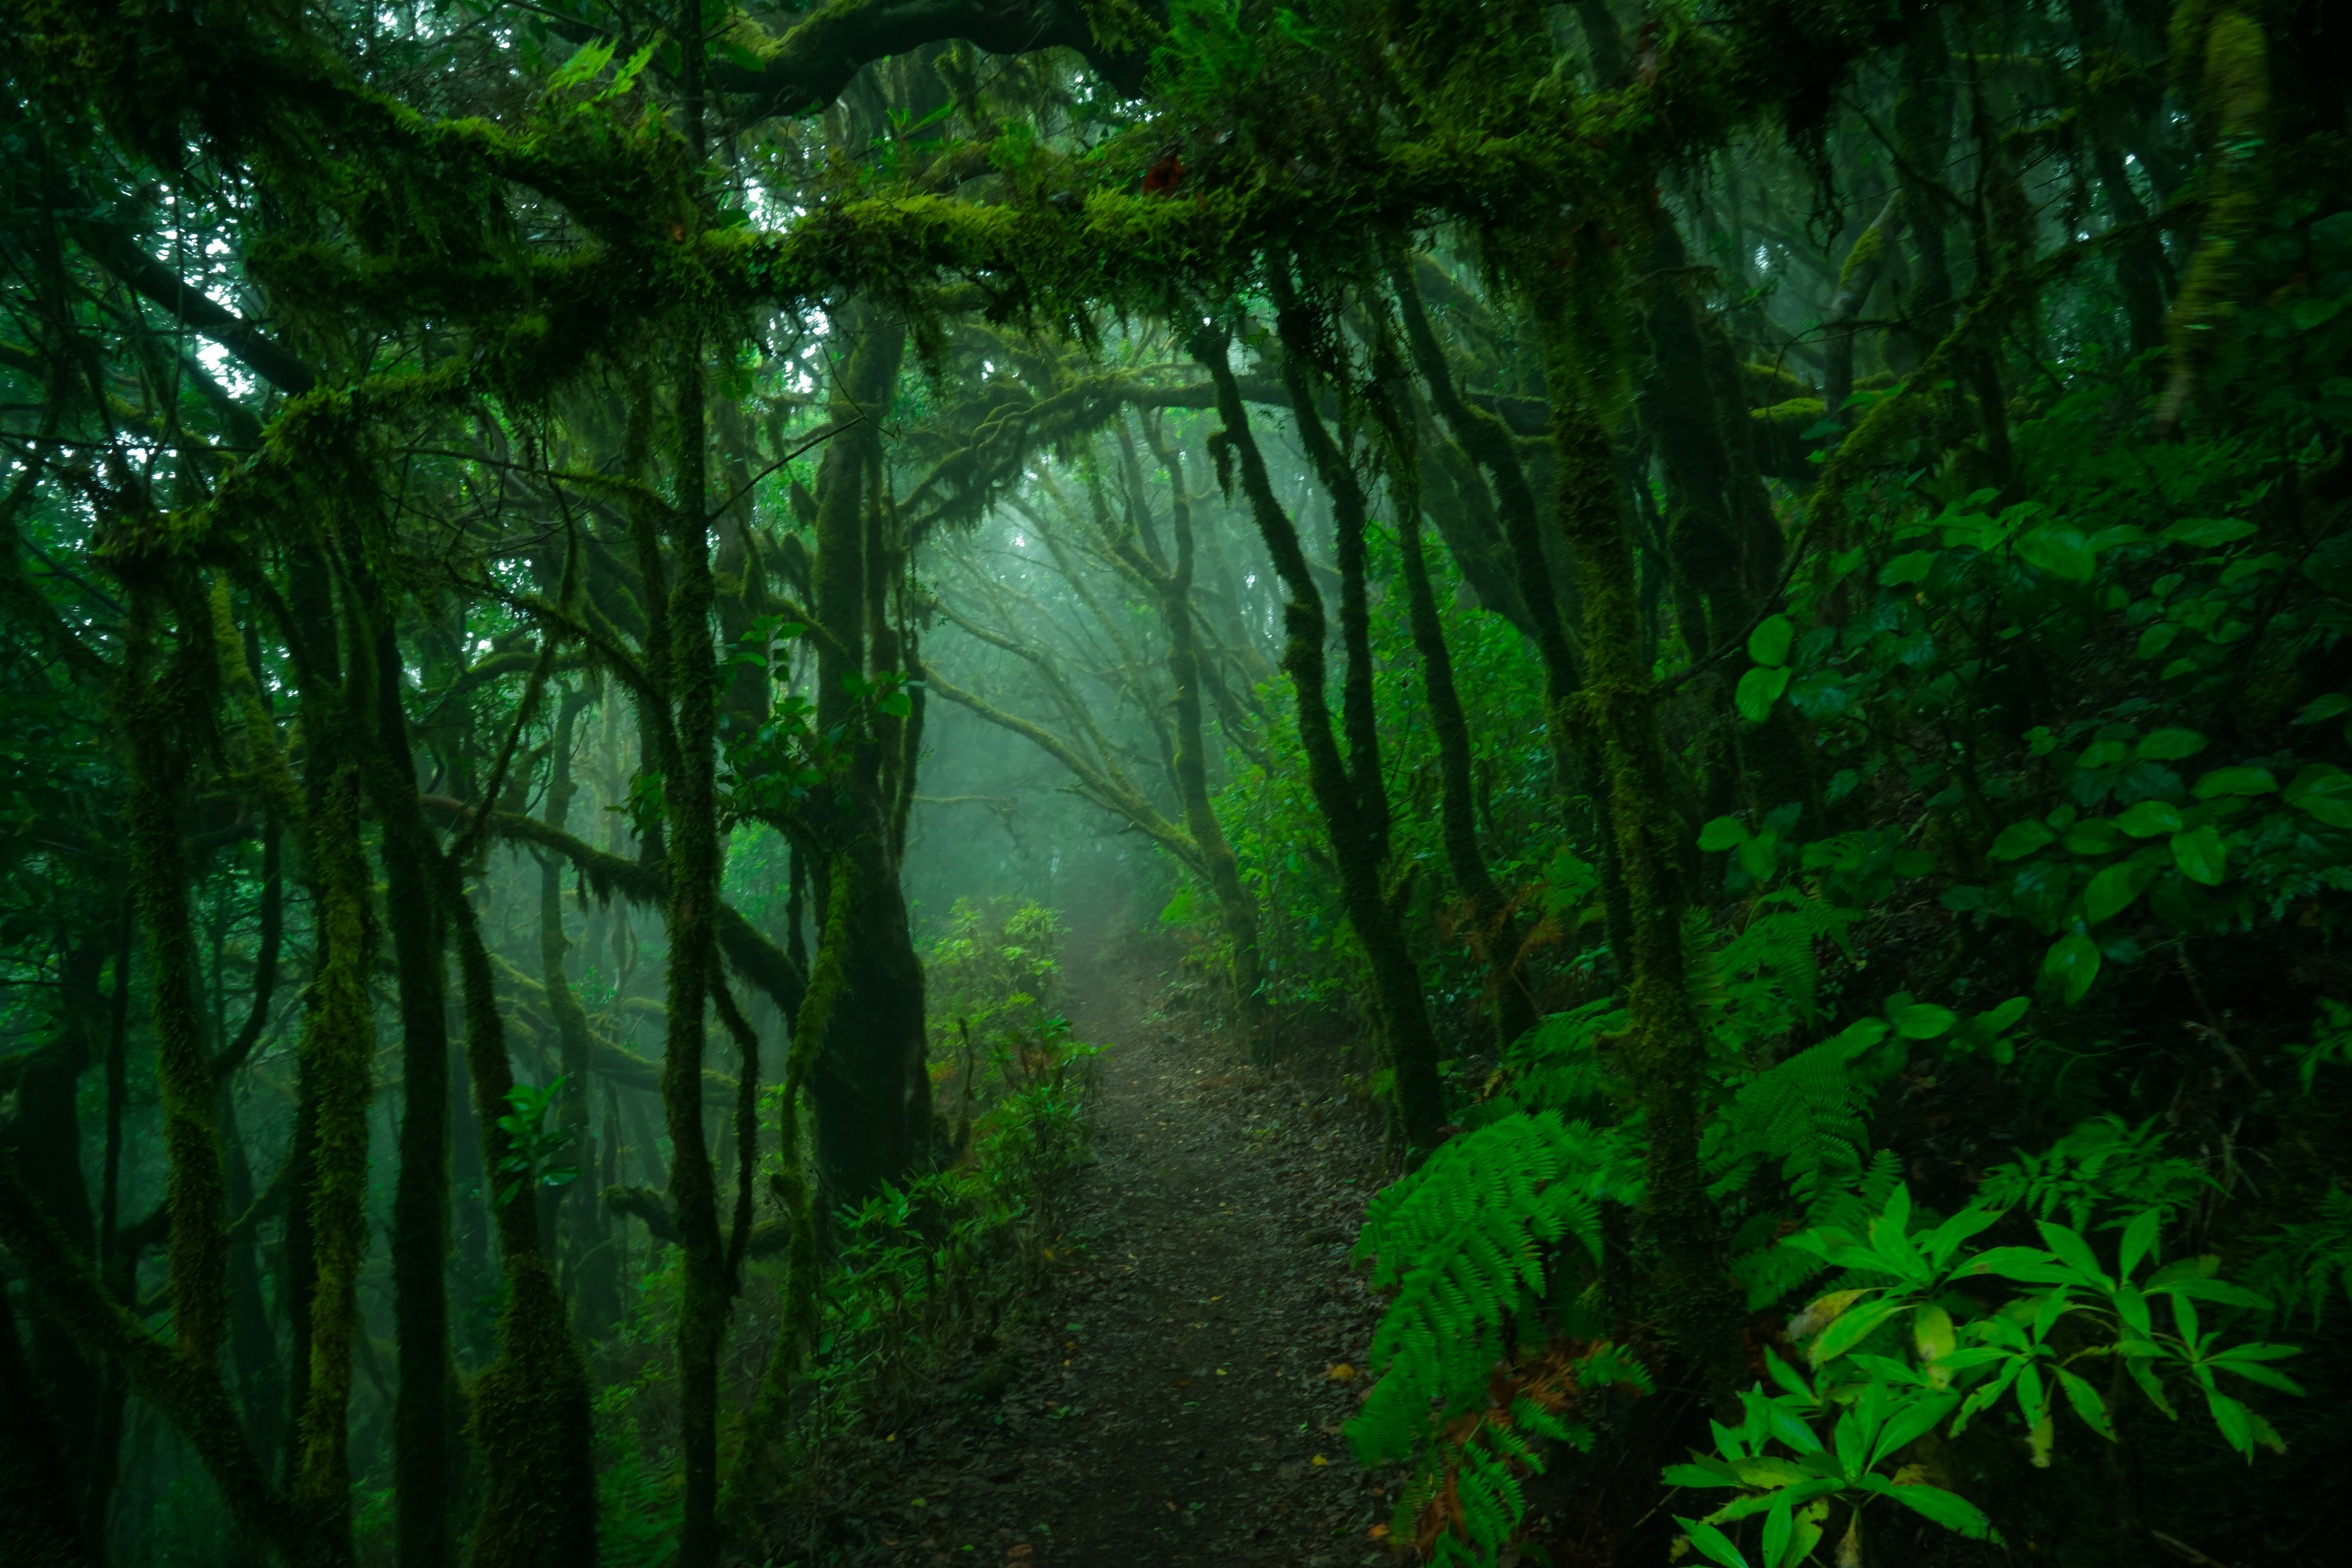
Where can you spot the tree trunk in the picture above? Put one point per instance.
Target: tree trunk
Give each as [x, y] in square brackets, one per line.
[1401, 1010]
[1665, 1052]
[1500, 932]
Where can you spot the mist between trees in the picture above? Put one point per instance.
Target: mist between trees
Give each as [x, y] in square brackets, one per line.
[1731, 616]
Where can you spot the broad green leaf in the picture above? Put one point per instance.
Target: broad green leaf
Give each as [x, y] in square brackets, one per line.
[1779, 1524]
[1818, 1315]
[1758, 857]
[1706, 1472]
[1791, 1428]
[1711, 1543]
[2235, 781]
[2240, 1362]
[2026, 1265]
[2203, 858]
[2169, 745]
[1894, 1219]
[1759, 689]
[2054, 1305]
[2257, 1350]
[2323, 708]
[1804, 1493]
[1925, 1021]
[2325, 792]
[2091, 835]
[1931, 1332]
[1848, 1330]
[1885, 1369]
[2062, 551]
[1941, 1243]
[1950, 1510]
[1912, 1422]
[1723, 833]
[1768, 643]
[2087, 1403]
[1851, 1436]
[1912, 567]
[2151, 819]
[2033, 1402]
[1858, 1037]
[2143, 1372]
[2005, 1016]
[2231, 1417]
[2112, 891]
[2205, 532]
[1786, 1375]
[1770, 1470]
[2140, 1241]
[2019, 840]
[2073, 962]
[1986, 1394]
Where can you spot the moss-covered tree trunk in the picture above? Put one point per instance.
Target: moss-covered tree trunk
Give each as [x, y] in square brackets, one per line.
[868, 1082]
[1171, 578]
[335, 1056]
[691, 916]
[1497, 923]
[152, 708]
[1665, 1053]
[423, 1419]
[575, 1217]
[1400, 1006]
[531, 1418]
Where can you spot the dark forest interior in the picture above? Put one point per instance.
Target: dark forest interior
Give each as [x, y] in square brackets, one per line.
[1086, 783]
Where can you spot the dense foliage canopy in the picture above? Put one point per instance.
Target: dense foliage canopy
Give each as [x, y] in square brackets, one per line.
[1737, 609]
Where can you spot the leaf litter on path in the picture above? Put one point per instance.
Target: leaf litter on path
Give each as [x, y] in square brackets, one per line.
[1181, 1388]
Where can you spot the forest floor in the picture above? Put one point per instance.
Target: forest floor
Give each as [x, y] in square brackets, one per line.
[1176, 1396]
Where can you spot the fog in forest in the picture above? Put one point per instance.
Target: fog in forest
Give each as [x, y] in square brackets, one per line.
[1075, 784]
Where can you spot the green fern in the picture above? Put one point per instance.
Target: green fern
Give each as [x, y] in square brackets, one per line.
[1769, 1272]
[1766, 981]
[1461, 1241]
[1555, 1068]
[2308, 1264]
[1807, 1114]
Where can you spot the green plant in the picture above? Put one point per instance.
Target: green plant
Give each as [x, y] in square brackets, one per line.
[1912, 1349]
[1465, 1245]
[533, 1142]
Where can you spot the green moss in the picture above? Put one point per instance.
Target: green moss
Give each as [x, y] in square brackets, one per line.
[336, 1055]
[1796, 412]
[2231, 63]
[531, 1423]
[1666, 1052]
[152, 709]
[1866, 252]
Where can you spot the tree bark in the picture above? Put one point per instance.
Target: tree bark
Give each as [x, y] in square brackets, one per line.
[1402, 1012]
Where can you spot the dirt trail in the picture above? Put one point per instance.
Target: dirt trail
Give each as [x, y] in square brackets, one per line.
[1174, 1402]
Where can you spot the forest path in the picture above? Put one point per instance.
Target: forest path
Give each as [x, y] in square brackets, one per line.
[1173, 1401]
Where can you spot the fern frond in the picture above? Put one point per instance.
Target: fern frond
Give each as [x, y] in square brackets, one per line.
[1462, 1241]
